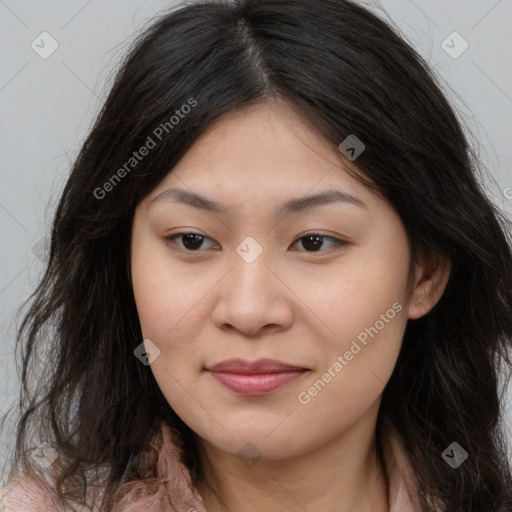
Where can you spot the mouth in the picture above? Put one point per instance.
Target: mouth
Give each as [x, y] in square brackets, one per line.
[255, 378]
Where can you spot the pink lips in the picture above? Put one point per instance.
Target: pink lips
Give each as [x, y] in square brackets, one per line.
[255, 378]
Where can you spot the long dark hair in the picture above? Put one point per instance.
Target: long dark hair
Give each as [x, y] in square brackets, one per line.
[348, 72]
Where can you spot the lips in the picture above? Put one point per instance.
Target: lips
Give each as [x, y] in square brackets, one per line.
[255, 378]
[259, 366]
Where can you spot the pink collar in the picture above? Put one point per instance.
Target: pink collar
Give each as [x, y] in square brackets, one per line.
[178, 494]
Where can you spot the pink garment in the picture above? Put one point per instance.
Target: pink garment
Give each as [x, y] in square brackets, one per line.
[176, 494]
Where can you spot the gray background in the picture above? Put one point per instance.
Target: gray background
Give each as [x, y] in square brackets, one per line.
[47, 106]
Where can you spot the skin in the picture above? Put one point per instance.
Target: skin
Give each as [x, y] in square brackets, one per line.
[293, 303]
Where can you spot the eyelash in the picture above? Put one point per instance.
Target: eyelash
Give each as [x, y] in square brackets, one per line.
[338, 244]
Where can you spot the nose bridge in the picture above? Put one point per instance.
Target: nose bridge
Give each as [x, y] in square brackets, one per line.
[252, 297]
[250, 261]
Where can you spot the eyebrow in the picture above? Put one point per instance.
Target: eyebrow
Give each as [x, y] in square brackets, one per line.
[290, 206]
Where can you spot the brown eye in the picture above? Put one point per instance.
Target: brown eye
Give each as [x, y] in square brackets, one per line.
[314, 242]
[190, 241]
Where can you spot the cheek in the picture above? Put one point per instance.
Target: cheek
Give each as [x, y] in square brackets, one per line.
[364, 310]
[168, 303]
[169, 314]
[356, 365]
[362, 289]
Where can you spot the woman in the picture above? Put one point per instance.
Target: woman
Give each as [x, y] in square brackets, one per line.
[274, 282]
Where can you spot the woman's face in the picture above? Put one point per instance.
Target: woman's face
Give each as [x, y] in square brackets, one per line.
[254, 286]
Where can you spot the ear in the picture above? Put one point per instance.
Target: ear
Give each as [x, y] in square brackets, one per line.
[431, 273]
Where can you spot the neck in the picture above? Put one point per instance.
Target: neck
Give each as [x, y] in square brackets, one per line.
[344, 475]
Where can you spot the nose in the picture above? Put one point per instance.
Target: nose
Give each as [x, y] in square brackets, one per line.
[253, 299]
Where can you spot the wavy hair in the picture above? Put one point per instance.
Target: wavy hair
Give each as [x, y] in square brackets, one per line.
[347, 71]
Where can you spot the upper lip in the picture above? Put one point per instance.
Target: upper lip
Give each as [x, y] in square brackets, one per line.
[259, 366]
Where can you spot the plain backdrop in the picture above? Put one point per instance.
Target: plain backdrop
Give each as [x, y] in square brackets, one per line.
[48, 104]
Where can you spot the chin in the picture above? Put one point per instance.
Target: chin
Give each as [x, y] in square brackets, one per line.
[257, 445]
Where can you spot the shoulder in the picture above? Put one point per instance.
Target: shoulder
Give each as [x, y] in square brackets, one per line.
[24, 493]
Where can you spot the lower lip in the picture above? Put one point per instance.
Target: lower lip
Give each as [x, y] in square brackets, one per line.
[256, 383]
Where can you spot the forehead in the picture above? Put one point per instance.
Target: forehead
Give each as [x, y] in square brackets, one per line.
[267, 152]
[261, 135]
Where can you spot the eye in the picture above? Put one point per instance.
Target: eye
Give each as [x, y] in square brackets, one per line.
[191, 241]
[313, 242]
